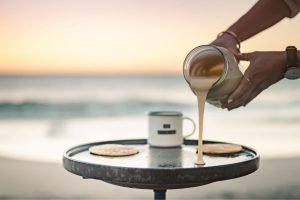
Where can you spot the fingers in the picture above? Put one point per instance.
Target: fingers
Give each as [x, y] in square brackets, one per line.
[240, 95]
[253, 95]
[228, 43]
[246, 56]
[237, 56]
[243, 56]
[256, 92]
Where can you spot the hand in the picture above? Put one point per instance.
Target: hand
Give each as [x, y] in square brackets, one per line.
[265, 69]
[227, 41]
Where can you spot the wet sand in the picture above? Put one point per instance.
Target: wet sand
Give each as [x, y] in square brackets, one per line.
[275, 179]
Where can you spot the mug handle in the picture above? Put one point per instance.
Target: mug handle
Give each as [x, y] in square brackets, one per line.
[194, 127]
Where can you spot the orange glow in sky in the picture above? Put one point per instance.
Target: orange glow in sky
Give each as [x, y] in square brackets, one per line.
[130, 36]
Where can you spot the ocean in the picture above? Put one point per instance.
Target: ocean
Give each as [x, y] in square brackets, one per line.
[43, 115]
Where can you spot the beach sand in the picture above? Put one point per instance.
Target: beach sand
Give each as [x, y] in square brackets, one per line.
[275, 179]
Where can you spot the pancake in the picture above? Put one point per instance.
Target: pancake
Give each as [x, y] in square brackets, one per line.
[113, 150]
[217, 149]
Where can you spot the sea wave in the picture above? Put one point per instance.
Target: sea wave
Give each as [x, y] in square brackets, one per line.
[44, 109]
[105, 96]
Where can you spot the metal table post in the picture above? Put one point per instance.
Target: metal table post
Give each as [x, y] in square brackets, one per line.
[160, 194]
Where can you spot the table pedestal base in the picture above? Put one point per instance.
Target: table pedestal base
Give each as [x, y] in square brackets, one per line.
[160, 194]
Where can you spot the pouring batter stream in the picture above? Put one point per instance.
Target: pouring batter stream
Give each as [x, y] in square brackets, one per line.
[203, 74]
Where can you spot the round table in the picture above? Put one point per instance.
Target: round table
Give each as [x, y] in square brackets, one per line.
[159, 169]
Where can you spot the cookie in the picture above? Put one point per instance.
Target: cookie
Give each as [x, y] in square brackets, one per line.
[221, 148]
[113, 150]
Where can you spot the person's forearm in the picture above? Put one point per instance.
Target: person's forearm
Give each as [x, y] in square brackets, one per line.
[261, 16]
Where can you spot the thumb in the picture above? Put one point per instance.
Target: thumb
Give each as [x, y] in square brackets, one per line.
[246, 56]
[237, 56]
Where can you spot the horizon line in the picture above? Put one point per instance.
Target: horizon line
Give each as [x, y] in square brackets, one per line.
[94, 74]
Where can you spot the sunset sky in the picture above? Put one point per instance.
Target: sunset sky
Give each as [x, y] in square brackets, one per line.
[120, 36]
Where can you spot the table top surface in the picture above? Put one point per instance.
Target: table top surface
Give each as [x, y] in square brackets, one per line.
[159, 168]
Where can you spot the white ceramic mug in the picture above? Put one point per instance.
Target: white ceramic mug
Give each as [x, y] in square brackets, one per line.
[165, 128]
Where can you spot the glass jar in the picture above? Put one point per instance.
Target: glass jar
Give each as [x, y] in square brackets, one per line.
[229, 79]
